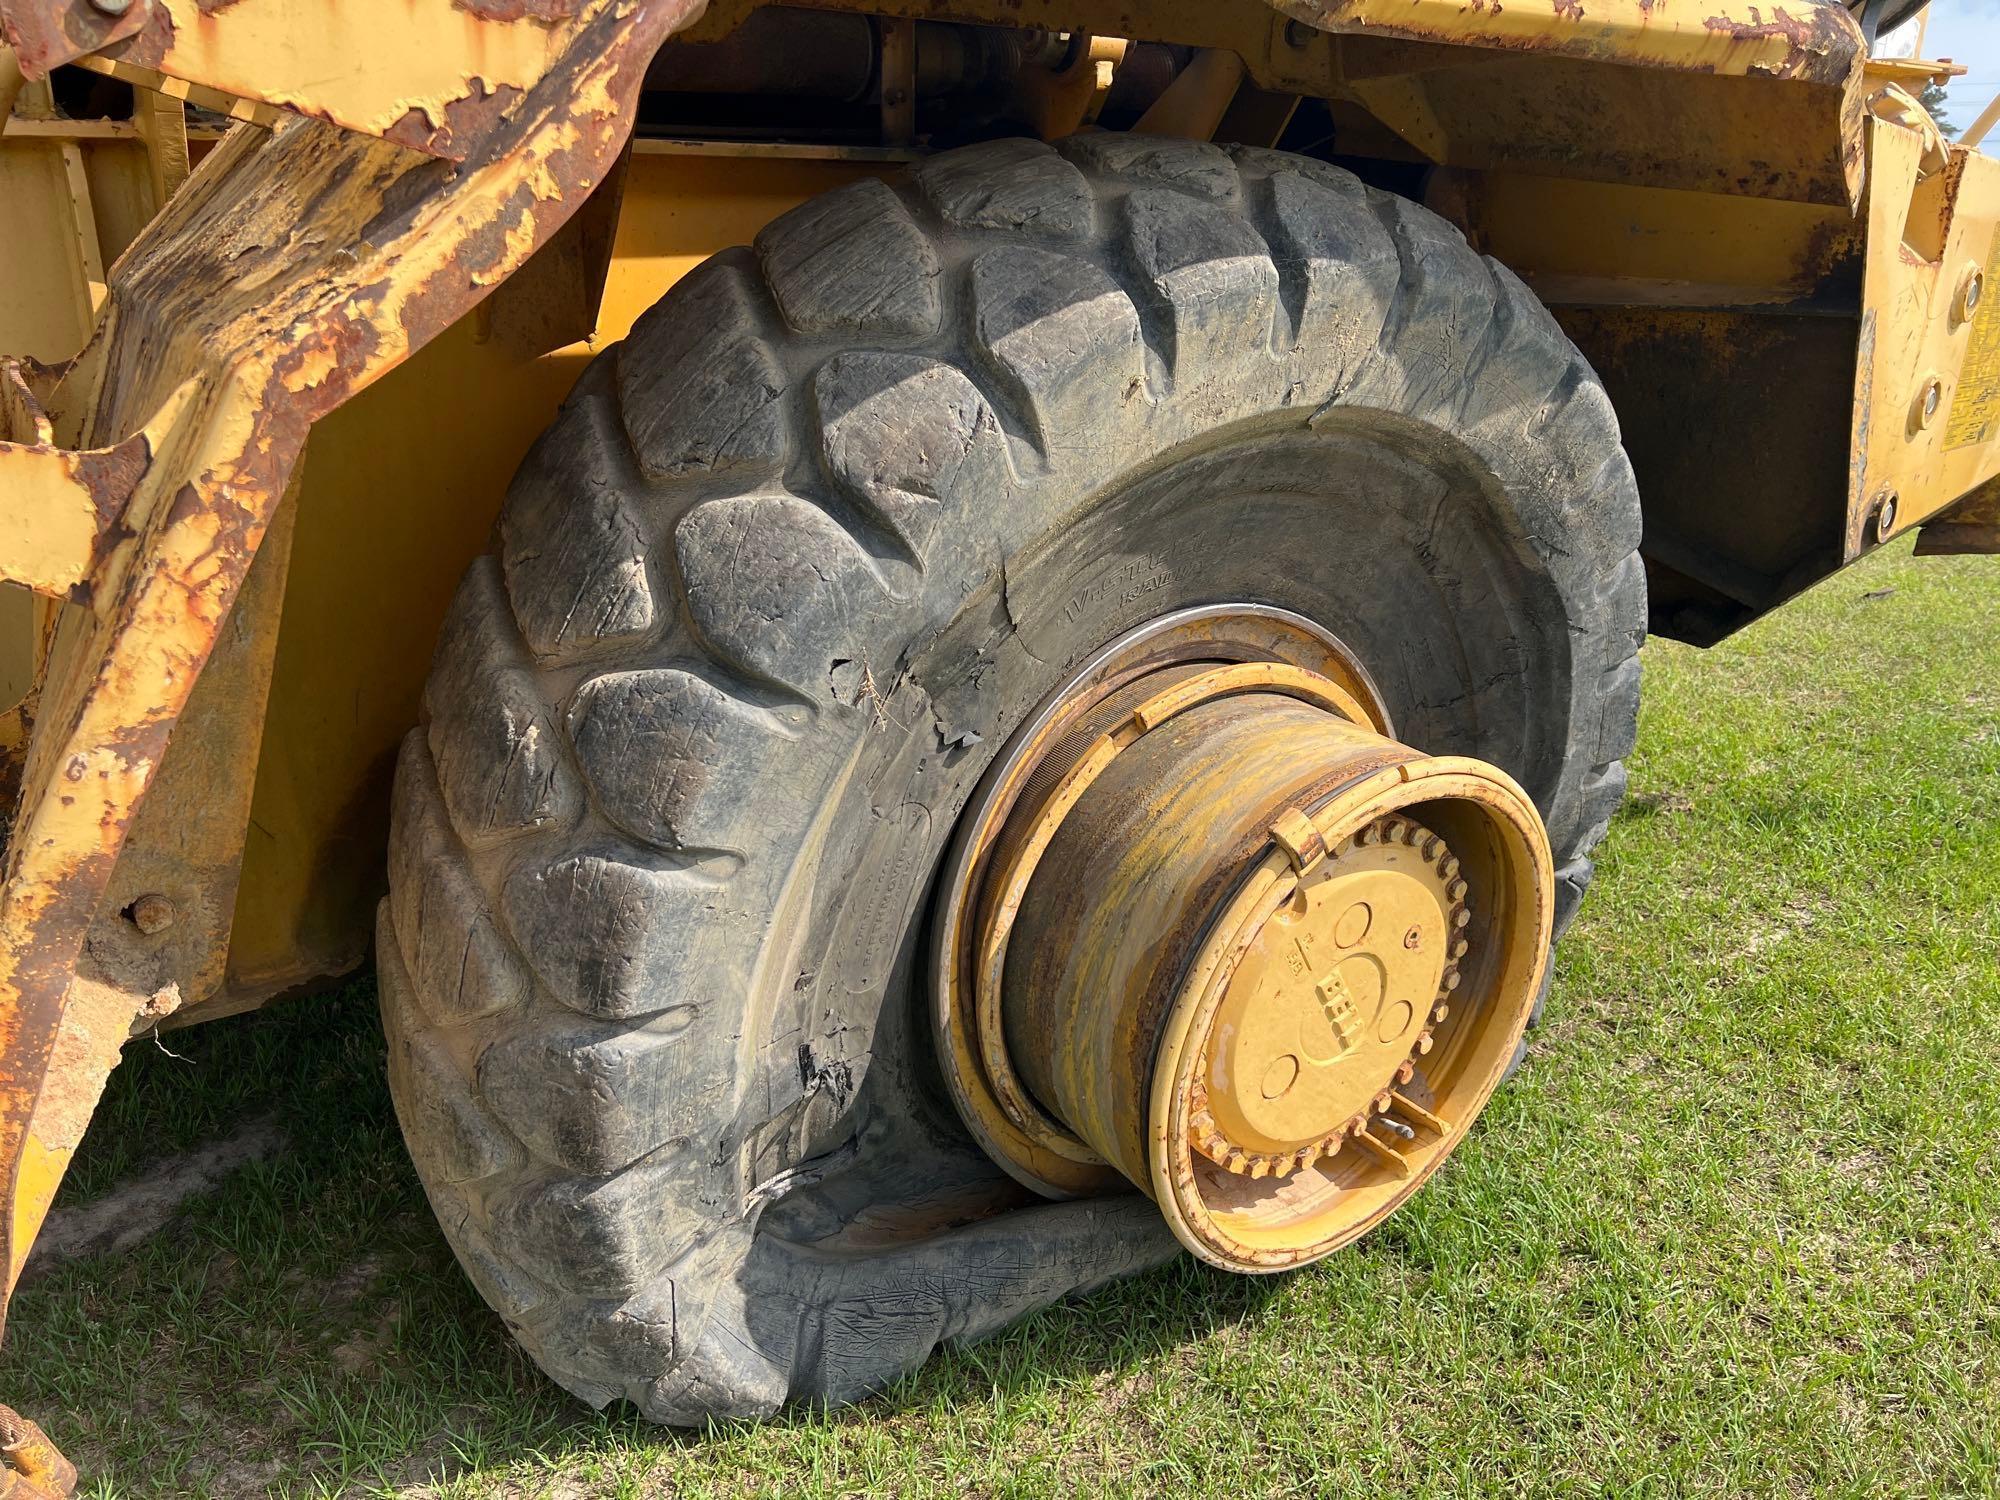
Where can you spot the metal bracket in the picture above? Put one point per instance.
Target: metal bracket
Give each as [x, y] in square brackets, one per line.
[1300, 838]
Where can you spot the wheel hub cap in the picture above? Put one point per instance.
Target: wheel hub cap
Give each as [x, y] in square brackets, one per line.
[1332, 1005]
[1211, 932]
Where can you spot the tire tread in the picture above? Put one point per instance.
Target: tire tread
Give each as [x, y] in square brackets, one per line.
[700, 557]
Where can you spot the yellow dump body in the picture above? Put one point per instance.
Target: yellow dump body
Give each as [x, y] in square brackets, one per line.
[216, 631]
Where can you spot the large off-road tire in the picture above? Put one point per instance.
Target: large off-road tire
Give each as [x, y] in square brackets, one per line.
[789, 567]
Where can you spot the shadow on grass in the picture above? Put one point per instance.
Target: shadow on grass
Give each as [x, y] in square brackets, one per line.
[307, 1324]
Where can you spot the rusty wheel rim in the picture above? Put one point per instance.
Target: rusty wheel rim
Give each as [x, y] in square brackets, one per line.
[1042, 1153]
[1210, 931]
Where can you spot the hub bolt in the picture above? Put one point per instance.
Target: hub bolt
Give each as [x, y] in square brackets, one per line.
[1884, 524]
[153, 914]
[1971, 285]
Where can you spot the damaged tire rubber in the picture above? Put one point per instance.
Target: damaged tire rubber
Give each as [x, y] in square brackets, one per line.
[791, 565]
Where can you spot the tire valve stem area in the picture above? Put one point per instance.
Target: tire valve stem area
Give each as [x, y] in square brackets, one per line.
[1212, 932]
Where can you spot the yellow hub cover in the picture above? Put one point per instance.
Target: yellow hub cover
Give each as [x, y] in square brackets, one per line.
[1227, 940]
[1331, 1002]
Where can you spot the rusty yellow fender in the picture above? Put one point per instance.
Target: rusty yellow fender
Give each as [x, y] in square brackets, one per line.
[1727, 96]
[295, 267]
[1775, 41]
[1755, 99]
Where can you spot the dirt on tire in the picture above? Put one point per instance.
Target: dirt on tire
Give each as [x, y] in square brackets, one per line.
[768, 597]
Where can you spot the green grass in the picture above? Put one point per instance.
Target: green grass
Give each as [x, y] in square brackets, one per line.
[1733, 1232]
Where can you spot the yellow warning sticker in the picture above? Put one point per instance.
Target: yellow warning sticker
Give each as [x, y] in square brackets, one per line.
[1975, 408]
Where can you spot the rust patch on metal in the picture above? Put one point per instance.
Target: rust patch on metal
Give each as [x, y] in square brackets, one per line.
[468, 119]
[519, 10]
[1818, 48]
[111, 474]
[61, 512]
[1830, 262]
[295, 268]
[30, 1463]
[151, 37]
[45, 34]
[440, 79]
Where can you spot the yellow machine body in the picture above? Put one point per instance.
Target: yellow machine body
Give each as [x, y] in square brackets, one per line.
[214, 631]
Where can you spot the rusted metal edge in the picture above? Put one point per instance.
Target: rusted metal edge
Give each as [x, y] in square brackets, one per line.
[1812, 41]
[61, 512]
[46, 34]
[293, 270]
[435, 75]
[30, 1466]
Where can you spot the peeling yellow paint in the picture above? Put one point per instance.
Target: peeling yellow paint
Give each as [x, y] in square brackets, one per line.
[239, 328]
[519, 245]
[333, 59]
[315, 367]
[48, 520]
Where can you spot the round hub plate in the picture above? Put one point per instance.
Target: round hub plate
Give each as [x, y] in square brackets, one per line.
[1210, 929]
[1330, 1003]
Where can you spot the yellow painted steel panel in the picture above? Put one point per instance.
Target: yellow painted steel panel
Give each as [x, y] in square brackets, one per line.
[1915, 447]
[44, 305]
[1975, 409]
[1553, 226]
